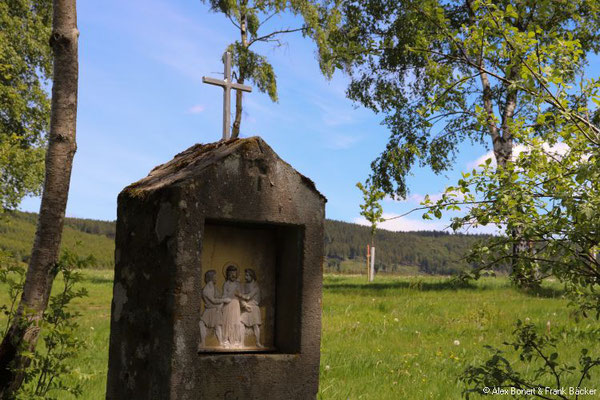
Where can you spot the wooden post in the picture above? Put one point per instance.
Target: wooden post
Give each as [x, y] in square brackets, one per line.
[372, 270]
[368, 264]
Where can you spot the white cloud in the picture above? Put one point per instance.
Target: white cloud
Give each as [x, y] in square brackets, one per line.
[418, 198]
[197, 109]
[481, 160]
[338, 141]
[489, 229]
[405, 224]
[334, 116]
[558, 149]
[414, 198]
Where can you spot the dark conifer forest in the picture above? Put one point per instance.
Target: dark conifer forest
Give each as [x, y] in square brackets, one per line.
[423, 252]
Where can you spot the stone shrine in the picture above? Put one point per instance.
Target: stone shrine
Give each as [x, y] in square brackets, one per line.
[218, 279]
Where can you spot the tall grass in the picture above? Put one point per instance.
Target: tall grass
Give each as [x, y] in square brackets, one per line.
[398, 338]
[410, 338]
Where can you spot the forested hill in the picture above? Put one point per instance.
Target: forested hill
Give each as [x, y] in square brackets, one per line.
[86, 236]
[345, 244]
[431, 252]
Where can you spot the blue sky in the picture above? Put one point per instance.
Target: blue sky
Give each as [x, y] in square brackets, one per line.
[142, 100]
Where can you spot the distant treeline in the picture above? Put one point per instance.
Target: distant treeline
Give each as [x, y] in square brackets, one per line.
[85, 236]
[432, 252]
[93, 226]
[429, 252]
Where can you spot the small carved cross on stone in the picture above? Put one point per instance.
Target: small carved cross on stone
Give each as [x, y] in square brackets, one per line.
[227, 85]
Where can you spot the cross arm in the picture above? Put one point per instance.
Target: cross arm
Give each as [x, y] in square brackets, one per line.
[213, 81]
[239, 86]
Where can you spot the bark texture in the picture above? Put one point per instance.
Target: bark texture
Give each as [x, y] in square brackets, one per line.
[237, 122]
[502, 139]
[24, 331]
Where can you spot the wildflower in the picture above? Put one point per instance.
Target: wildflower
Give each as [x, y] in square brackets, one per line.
[396, 319]
[327, 368]
[457, 342]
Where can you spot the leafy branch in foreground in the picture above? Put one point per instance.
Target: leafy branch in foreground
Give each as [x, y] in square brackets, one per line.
[25, 67]
[13, 276]
[45, 377]
[544, 376]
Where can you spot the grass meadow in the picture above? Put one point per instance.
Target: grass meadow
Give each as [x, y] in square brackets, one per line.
[397, 338]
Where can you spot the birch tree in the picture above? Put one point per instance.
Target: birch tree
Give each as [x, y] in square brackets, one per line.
[24, 330]
[249, 18]
[446, 72]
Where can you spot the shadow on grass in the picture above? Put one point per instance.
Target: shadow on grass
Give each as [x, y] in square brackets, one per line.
[99, 280]
[416, 285]
[442, 285]
[545, 292]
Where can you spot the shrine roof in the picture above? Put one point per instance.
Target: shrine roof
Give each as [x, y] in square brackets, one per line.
[189, 163]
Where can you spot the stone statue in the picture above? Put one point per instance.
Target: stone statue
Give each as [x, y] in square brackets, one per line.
[212, 317]
[251, 316]
[233, 329]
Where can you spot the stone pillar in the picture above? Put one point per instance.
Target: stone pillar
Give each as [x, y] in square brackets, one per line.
[228, 204]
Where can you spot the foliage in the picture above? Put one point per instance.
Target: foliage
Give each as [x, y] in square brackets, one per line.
[444, 72]
[254, 67]
[554, 183]
[46, 374]
[248, 17]
[549, 192]
[13, 276]
[25, 65]
[543, 375]
[371, 209]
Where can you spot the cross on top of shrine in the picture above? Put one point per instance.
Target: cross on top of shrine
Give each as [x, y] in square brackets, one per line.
[227, 85]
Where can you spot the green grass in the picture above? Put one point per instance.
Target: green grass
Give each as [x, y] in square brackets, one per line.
[393, 339]
[94, 323]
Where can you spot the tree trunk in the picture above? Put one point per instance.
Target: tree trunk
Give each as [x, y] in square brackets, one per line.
[502, 140]
[503, 154]
[237, 122]
[24, 331]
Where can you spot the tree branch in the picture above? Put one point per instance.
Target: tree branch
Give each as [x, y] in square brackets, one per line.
[266, 38]
[233, 21]
[437, 205]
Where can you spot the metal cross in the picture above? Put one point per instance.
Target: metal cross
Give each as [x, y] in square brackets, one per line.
[227, 85]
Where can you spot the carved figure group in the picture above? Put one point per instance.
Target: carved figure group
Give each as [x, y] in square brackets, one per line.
[229, 316]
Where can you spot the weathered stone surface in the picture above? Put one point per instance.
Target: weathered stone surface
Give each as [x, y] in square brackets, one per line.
[158, 276]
